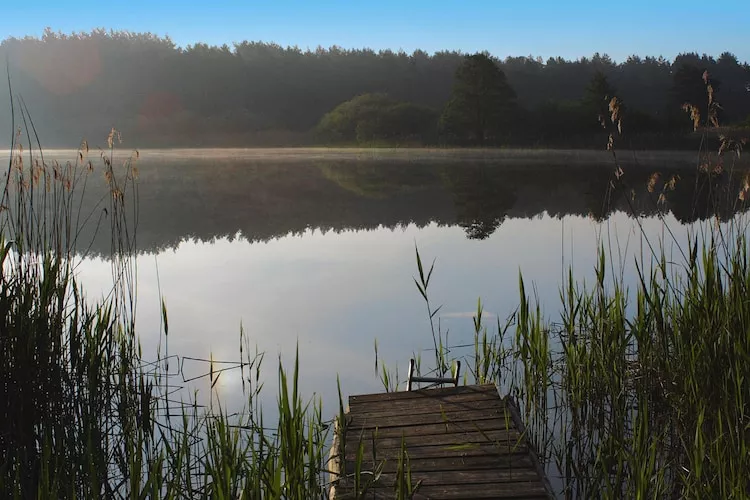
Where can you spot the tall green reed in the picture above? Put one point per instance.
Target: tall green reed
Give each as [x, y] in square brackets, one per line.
[640, 391]
[83, 413]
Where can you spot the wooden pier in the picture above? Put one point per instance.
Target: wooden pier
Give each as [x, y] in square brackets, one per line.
[458, 442]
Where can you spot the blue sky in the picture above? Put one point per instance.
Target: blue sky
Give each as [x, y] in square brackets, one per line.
[540, 28]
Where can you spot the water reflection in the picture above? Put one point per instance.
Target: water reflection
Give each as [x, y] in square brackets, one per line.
[320, 254]
[260, 199]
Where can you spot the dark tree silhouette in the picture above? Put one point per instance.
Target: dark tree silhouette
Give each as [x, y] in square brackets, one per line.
[262, 94]
[482, 102]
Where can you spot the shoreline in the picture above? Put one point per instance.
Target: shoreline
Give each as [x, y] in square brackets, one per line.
[548, 157]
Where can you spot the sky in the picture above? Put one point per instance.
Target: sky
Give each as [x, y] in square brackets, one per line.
[546, 28]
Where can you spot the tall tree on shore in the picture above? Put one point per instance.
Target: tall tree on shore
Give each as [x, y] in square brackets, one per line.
[480, 107]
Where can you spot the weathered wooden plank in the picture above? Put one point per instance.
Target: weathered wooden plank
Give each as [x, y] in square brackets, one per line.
[357, 421]
[427, 393]
[496, 490]
[416, 403]
[448, 463]
[434, 451]
[516, 489]
[461, 477]
[336, 460]
[407, 413]
[543, 479]
[525, 490]
[400, 405]
[389, 494]
[429, 429]
[427, 406]
[453, 438]
[372, 493]
[424, 397]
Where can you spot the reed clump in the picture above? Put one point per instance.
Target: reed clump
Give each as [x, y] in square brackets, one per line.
[640, 392]
[634, 393]
[83, 413]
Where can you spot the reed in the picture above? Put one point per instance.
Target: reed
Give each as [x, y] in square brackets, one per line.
[644, 392]
[83, 414]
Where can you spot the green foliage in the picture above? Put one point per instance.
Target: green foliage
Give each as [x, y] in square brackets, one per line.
[342, 122]
[376, 118]
[255, 93]
[481, 107]
[75, 407]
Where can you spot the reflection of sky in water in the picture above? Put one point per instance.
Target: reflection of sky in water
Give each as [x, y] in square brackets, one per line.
[334, 294]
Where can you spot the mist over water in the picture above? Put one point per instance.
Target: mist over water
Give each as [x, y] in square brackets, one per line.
[317, 250]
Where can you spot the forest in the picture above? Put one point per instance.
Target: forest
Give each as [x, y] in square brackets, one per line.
[157, 94]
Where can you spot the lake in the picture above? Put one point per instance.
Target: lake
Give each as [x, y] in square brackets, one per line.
[316, 248]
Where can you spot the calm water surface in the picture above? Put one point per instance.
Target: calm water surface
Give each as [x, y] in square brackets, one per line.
[318, 250]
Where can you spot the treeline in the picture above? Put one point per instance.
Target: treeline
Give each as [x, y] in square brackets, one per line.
[158, 94]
